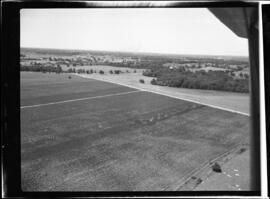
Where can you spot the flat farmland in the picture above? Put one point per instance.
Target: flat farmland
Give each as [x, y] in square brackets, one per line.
[87, 135]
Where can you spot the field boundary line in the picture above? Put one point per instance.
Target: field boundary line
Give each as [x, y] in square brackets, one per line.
[168, 95]
[80, 99]
[207, 166]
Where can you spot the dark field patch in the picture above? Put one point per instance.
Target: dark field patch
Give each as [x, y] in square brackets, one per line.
[137, 141]
[46, 88]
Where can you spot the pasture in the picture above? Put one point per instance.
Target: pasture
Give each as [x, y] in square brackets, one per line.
[89, 135]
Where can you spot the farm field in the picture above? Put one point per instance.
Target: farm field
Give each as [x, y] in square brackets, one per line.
[228, 100]
[234, 175]
[40, 88]
[82, 134]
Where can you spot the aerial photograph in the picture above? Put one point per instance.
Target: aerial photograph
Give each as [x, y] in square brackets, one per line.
[133, 99]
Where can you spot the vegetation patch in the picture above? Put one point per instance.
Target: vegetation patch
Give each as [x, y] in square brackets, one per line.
[216, 168]
[142, 81]
[195, 72]
[211, 80]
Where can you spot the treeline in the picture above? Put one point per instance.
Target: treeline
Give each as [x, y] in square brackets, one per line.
[212, 80]
[140, 64]
[44, 69]
[58, 69]
[91, 71]
[150, 62]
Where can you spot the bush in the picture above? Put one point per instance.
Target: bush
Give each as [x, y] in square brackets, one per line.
[217, 168]
[242, 150]
[142, 81]
[117, 72]
[154, 81]
[101, 72]
[149, 73]
[69, 77]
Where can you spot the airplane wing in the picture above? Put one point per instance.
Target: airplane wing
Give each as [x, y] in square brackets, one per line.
[237, 19]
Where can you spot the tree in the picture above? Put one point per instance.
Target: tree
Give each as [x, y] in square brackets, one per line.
[117, 71]
[217, 168]
[241, 74]
[70, 70]
[101, 72]
[58, 69]
[142, 81]
[154, 81]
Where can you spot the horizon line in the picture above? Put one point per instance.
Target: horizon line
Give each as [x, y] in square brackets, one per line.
[134, 52]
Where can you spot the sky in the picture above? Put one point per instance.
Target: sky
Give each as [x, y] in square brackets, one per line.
[155, 30]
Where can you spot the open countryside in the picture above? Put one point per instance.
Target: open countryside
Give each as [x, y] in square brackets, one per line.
[123, 99]
[110, 132]
[201, 72]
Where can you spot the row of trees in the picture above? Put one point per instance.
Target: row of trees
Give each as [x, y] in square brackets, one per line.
[143, 64]
[91, 71]
[58, 69]
[212, 80]
[44, 69]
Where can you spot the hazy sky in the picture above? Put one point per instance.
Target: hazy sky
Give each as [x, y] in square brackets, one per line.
[161, 30]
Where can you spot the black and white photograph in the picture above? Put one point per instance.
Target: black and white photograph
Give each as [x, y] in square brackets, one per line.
[118, 97]
[133, 99]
